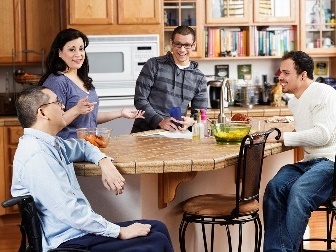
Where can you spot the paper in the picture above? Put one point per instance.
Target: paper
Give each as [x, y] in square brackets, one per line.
[174, 134]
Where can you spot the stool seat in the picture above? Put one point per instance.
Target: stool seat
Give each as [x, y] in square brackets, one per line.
[218, 205]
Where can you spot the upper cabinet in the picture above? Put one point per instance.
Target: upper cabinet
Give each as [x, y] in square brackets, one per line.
[25, 29]
[250, 28]
[90, 12]
[275, 11]
[318, 27]
[228, 11]
[184, 12]
[115, 16]
[11, 29]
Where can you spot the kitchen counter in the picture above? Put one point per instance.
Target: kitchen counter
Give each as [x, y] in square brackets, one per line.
[175, 160]
[9, 121]
[256, 111]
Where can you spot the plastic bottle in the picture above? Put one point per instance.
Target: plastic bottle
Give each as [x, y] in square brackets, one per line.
[332, 20]
[197, 128]
[205, 122]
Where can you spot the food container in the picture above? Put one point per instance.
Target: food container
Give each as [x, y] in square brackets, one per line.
[99, 137]
[26, 78]
[230, 131]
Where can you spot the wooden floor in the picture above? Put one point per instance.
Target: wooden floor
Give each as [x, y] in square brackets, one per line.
[10, 235]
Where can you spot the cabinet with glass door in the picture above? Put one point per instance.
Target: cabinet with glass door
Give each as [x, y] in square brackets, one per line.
[268, 31]
[318, 27]
[184, 12]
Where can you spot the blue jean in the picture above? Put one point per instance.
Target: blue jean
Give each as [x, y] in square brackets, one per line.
[158, 240]
[290, 197]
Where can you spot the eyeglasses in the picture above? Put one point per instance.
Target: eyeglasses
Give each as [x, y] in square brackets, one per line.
[58, 102]
[179, 45]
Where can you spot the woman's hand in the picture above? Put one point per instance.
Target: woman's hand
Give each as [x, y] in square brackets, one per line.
[84, 107]
[131, 114]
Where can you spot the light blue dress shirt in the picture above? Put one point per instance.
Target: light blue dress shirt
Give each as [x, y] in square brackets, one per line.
[43, 168]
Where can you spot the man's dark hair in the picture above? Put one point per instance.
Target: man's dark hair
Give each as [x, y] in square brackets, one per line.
[302, 61]
[183, 30]
[28, 103]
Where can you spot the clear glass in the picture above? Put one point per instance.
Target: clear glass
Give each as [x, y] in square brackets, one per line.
[320, 26]
[275, 8]
[188, 14]
[225, 8]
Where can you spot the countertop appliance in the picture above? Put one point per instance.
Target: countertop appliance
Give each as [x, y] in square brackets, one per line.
[115, 63]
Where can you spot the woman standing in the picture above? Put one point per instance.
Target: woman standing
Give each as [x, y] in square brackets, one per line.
[67, 70]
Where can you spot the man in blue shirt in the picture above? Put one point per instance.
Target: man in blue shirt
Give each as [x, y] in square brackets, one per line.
[43, 168]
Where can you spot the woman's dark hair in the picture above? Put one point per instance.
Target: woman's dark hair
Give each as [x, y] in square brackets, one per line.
[55, 64]
[183, 30]
[302, 62]
[27, 104]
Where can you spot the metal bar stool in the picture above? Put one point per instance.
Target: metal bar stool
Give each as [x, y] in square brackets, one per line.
[237, 209]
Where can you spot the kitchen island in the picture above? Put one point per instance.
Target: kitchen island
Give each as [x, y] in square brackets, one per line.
[162, 172]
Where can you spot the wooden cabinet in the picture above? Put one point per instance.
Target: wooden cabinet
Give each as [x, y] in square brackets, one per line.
[233, 31]
[28, 25]
[184, 12]
[11, 29]
[228, 11]
[276, 11]
[318, 34]
[10, 138]
[115, 17]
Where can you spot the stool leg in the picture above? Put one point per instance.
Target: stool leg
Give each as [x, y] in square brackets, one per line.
[229, 237]
[182, 229]
[204, 238]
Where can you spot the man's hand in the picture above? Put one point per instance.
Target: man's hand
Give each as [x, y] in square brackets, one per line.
[168, 124]
[111, 177]
[134, 230]
[187, 122]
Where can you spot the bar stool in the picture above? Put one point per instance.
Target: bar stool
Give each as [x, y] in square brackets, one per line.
[329, 208]
[236, 209]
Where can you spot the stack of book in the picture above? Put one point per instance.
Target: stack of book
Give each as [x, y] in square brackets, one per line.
[229, 41]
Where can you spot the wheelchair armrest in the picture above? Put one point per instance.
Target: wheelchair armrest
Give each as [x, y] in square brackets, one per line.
[17, 200]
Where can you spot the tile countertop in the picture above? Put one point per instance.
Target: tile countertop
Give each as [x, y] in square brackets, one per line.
[257, 111]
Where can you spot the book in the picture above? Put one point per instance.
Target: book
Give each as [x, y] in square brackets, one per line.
[244, 71]
[222, 71]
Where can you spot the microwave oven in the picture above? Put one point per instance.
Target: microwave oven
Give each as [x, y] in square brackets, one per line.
[115, 61]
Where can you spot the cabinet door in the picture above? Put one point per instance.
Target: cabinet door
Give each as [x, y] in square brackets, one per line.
[142, 12]
[318, 34]
[11, 20]
[2, 172]
[91, 11]
[184, 12]
[11, 140]
[275, 11]
[228, 11]
[43, 22]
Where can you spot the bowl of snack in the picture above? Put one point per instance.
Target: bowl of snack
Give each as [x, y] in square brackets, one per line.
[233, 131]
[99, 137]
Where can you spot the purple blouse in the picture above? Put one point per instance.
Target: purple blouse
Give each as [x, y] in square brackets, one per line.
[69, 93]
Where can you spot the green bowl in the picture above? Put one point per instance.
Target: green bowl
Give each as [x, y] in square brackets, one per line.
[230, 132]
